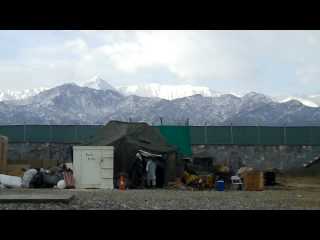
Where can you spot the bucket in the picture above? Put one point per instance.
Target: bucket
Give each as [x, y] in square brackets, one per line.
[220, 185]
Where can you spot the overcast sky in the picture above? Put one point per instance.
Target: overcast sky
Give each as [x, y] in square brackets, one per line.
[271, 62]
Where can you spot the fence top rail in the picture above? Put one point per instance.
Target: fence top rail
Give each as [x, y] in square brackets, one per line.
[101, 125]
[53, 125]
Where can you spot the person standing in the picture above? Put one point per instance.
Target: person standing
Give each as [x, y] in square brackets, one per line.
[151, 173]
[136, 173]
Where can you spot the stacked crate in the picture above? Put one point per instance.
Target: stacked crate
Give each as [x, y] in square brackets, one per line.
[254, 181]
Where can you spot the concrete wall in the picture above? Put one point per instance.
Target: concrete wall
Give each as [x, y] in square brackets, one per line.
[260, 157]
[39, 154]
[282, 157]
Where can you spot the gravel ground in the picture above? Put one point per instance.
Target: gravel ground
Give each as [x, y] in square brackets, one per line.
[289, 198]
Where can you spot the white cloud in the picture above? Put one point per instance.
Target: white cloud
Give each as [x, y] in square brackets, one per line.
[241, 59]
[188, 54]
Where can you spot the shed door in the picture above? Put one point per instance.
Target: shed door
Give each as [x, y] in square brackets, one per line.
[107, 169]
[90, 177]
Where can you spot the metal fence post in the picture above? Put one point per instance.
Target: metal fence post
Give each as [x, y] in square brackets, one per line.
[259, 135]
[24, 141]
[231, 132]
[24, 132]
[205, 134]
[310, 135]
[75, 133]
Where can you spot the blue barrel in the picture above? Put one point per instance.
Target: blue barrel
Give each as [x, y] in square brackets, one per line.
[220, 185]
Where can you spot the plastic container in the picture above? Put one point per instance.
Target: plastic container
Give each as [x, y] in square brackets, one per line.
[220, 185]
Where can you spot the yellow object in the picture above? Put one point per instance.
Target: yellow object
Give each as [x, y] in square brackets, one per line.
[189, 178]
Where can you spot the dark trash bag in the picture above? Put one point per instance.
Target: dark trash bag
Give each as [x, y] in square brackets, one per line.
[36, 181]
[51, 180]
[44, 180]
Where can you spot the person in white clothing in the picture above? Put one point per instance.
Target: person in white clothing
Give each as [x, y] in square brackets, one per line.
[151, 173]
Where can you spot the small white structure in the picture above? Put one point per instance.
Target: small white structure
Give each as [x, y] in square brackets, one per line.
[93, 166]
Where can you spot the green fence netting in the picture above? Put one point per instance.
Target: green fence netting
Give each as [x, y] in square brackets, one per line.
[217, 135]
[197, 135]
[271, 135]
[181, 136]
[15, 133]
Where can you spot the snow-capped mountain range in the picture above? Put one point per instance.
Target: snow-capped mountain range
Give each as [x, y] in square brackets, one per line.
[97, 102]
[17, 95]
[168, 92]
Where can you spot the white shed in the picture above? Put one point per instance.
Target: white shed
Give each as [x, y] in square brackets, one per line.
[93, 166]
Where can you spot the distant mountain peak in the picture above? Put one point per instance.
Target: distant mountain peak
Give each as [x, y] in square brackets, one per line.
[98, 83]
[303, 101]
[165, 91]
[294, 102]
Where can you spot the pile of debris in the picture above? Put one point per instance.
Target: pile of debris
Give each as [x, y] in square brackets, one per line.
[223, 177]
[56, 177]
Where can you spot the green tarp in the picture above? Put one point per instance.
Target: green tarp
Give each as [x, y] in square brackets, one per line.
[178, 136]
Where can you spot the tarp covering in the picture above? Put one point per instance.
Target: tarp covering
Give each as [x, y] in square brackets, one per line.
[178, 136]
[127, 139]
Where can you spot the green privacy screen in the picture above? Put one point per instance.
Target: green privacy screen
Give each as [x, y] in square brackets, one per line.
[181, 136]
[255, 135]
[49, 133]
[245, 135]
[217, 135]
[197, 135]
[15, 133]
[297, 135]
[314, 135]
[178, 136]
[271, 135]
[37, 133]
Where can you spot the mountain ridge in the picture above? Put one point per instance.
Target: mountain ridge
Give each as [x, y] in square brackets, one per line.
[169, 92]
[74, 104]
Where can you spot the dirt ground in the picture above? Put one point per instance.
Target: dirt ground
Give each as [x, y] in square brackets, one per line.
[293, 193]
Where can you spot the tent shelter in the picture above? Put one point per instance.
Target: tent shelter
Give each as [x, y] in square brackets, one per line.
[128, 139]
